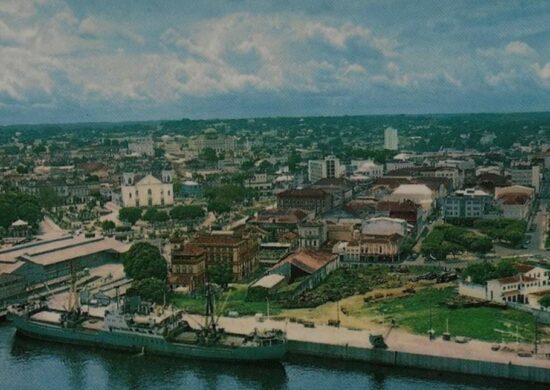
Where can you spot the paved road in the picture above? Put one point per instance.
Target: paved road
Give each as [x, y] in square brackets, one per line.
[539, 221]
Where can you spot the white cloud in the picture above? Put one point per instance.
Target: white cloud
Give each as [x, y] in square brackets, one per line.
[101, 29]
[501, 78]
[543, 72]
[25, 73]
[518, 48]
[20, 8]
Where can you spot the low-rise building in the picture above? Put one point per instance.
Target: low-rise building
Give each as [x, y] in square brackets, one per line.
[340, 190]
[469, 203]
[417, 193]
[369, 248]
[514, 201]
[308, 266]
[261, 183]
[530, 280]
[240, 250]
[366, 168]
[49, 259]
[309, 199]
[188, 268]
[525, 174]
[312, 235]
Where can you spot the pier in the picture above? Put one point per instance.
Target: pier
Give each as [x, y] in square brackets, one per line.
[404, 350]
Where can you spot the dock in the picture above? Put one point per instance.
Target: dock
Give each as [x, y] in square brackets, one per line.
[404, 350]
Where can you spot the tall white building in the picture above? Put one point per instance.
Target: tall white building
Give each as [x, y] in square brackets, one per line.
[329, 168]
[391, 140]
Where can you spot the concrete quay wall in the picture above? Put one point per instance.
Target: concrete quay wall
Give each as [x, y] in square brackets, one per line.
[412, 360]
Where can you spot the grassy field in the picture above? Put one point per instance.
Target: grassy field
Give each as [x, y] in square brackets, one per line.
[482, 323]
[232, 300]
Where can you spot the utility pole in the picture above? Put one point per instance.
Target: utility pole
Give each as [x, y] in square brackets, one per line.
[338, 312]
[536, 333]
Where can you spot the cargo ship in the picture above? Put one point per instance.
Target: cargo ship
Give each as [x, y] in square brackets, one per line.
[147, 329]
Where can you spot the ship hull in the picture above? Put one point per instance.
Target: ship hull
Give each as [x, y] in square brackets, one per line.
[148, 344]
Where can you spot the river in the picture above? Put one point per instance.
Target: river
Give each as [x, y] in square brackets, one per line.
[30, 364]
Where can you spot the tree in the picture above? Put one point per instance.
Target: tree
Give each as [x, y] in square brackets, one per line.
[218, 207]
[209, 154]
[481, 245]
[545, 301]
[16, 205]
[49, 198]
[150, 289]
[479, 273]
[406, 247]
[108, 226]
[220, 273]
[154, 215]
[143, 261]
[130, 214]
[182, 213]
[504, 269]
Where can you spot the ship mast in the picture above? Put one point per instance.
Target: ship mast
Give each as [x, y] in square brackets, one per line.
[73, 295]
[209, 315]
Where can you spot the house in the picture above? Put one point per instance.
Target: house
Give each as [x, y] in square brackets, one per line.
[308, 267]
[279, 221]
[340, 190]
[520, 288]
[369, 248]
[261, 183]
[309, 199]
[514, 201]
[210, 139]
[417, 193]
[367, 168]
[188, 268]
[312, 235]
[190, 189]
[147, 191]
[383, 226]
[238, 249]
[407, 210]
[266, 286]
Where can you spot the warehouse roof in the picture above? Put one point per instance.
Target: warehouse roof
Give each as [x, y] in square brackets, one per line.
[60, 249]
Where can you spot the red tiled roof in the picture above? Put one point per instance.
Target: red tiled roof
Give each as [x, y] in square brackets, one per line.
[308, 260]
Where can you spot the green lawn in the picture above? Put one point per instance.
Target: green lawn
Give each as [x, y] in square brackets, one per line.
[483, 323]
[235, 302]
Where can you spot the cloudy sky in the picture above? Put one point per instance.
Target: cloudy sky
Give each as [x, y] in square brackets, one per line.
[105, 60]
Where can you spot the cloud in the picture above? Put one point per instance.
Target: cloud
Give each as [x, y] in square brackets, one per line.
[25, 74]
[20, 8]
[56, 54]
[543, 72]
[518, 48]
[98, 28]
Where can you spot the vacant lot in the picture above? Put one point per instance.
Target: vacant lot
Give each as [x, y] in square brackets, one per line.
[483, 323]
[232, 300]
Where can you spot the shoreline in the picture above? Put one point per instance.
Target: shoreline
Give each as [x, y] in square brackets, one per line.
[404, 350]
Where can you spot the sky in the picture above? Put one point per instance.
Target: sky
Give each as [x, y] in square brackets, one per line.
[105, 60]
